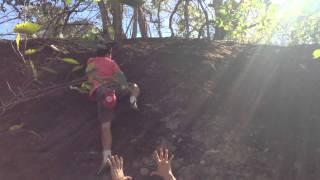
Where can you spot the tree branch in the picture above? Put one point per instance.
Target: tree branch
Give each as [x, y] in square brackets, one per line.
[171, 17]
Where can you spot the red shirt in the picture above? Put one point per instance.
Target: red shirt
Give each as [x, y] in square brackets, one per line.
[100, 71]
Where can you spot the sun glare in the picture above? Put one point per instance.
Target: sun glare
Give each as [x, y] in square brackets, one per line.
[295, 8]
[289, 13]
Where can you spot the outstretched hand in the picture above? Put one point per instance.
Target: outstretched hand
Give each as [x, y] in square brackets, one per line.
[116, 167]
[163, 164]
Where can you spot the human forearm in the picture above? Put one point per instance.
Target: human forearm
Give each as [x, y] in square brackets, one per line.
[169, 177]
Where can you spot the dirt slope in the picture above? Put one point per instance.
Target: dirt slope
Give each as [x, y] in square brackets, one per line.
[226, 111]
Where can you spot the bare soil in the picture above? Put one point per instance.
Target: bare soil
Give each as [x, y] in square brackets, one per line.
[227, 112]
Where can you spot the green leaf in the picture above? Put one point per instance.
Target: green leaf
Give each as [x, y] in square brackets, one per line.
[222, 12]
[85, 86]
[30, 51]
[18, 38]
[316, 54]
[77, 68]
[70, 61]
[27, 28]
[221, 24]
[49, 70]
[68, 2]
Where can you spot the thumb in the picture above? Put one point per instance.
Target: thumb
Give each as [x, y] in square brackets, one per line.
[154, 173]
[128, 178]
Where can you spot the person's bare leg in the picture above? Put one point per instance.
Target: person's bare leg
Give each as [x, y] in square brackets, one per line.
[106, 141]
[106, 136]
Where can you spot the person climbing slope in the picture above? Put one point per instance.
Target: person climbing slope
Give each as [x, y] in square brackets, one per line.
[106, 83]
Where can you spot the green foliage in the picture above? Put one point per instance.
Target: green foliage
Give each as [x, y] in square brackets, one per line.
[92, 34]
[30, 52]
[27, 28]
[249, 21]
[305, 31]
[70, 61]
[85, 87]
[18, 38]
[68, 2]
[196, 19]
[316, 54]
[244, 22]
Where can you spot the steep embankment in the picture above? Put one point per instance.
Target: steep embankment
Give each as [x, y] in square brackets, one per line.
[226, 111]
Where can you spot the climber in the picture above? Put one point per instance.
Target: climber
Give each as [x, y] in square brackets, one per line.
[106, 83]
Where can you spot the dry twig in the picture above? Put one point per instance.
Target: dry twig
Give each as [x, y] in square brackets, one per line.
[36, 93]
[10, 89]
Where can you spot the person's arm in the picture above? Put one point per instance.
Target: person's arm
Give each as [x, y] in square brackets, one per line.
[163, 164]
[116, 167]
[118, 75]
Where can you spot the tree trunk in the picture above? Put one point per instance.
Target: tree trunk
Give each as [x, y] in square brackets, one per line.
[219, 32]
[104, 19]
[171, 17]
[128, 27]
[186, 18]
[159, 20]
[123, 34]
[207, 18]
[142, 23]
[150, 33]
[135, 23]
[117, 19]
[200, 31]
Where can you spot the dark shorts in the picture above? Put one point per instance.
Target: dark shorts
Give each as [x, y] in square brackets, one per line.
[107, 114]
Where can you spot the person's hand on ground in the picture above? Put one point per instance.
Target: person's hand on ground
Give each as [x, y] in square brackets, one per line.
[163, 164]
[116, 168]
